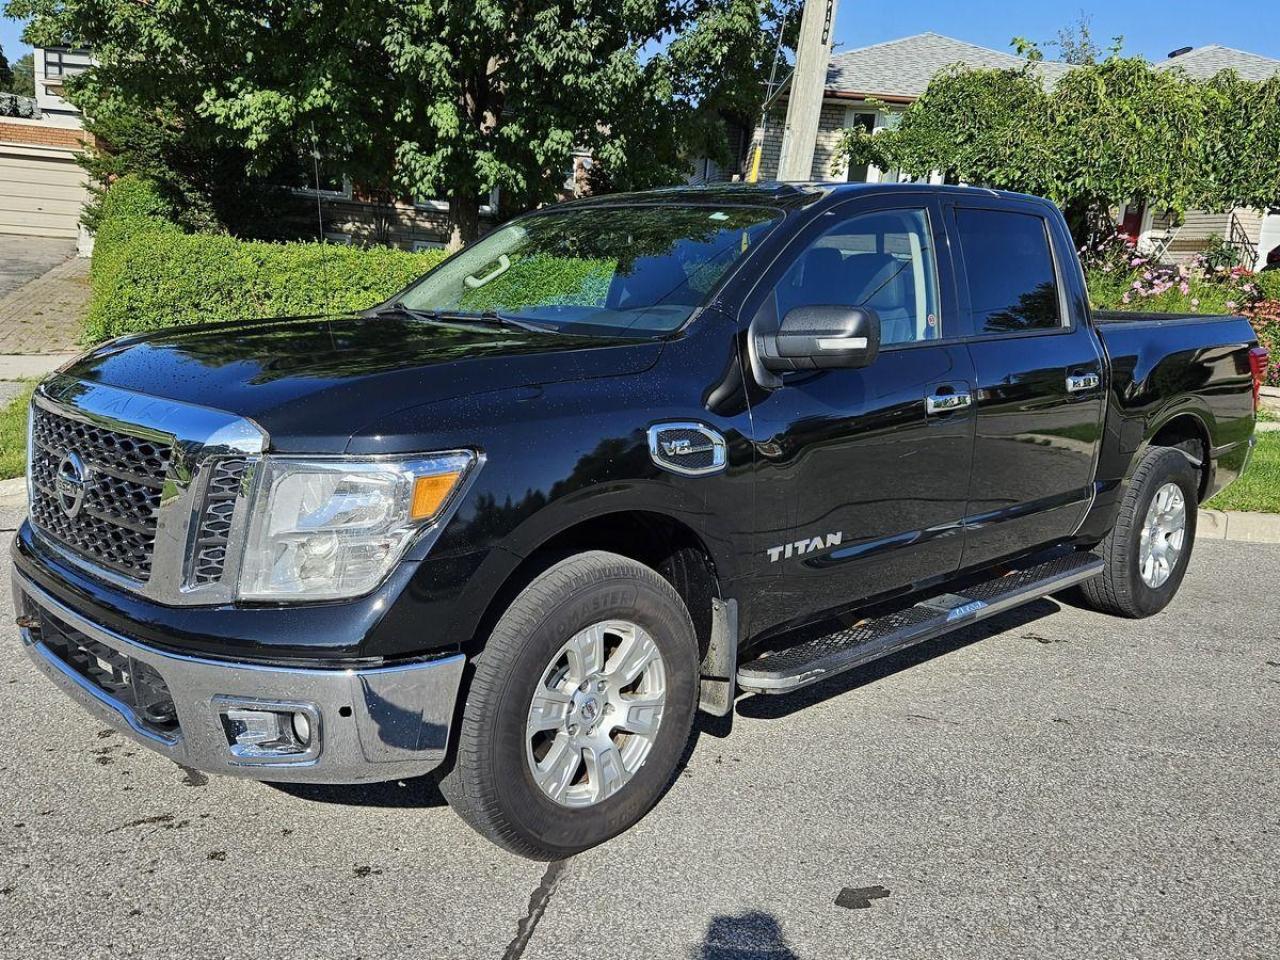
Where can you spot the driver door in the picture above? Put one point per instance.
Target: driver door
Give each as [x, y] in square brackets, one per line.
[863, 484]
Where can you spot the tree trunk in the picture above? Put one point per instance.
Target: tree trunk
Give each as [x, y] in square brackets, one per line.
[464, 220]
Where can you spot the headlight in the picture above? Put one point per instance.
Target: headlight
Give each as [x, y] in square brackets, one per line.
[325, 529]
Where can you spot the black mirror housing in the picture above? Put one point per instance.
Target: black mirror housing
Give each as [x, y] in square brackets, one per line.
[825, 337]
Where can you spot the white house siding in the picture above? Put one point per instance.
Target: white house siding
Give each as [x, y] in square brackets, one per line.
[831, 126]
[1198, 226]
[1270, 236]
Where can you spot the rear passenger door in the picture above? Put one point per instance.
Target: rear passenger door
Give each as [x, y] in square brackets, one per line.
[1039, 377]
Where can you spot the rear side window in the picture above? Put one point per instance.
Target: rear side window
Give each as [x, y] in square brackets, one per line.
[1009, 265]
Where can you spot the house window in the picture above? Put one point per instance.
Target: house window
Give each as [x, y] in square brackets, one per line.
[320, 178]
[62, 62]
[487, 205]
[857, 172]
[421, 245]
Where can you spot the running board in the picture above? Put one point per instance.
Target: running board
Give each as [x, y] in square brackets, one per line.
[789, 668]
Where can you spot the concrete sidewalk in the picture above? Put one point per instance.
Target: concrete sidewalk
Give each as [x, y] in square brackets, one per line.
[41, 316]
[45, 316]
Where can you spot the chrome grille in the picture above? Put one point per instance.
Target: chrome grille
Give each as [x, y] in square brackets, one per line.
[116, 525]
[215, 524]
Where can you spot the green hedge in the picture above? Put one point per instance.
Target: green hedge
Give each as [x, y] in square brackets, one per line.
[148, 274]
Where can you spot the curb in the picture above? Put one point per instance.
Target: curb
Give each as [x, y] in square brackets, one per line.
[1270, 399]
[1238, 525]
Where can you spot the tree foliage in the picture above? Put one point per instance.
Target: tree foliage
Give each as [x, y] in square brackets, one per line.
[425, 98]
[6, 73]
[24, 76]
[1106, 133]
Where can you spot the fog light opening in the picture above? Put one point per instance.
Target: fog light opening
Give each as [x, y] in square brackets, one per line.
[269, 732]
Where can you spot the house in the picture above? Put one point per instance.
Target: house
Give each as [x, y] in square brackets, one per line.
[53, 65]
[871, 86]
[42, 188]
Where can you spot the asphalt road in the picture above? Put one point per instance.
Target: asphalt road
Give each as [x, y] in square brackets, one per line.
[1053, 784]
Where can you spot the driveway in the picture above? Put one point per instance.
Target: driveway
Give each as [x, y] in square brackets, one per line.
[25, 258]
[1054, 783]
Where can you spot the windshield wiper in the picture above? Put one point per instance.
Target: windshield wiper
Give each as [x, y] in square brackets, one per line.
[488, 318]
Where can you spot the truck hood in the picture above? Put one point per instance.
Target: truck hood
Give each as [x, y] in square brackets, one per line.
[312, 383]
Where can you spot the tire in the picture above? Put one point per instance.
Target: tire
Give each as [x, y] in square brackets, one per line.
[492, 783]
[1121, 589]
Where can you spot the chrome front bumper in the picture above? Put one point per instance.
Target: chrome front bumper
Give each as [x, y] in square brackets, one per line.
[382, 723]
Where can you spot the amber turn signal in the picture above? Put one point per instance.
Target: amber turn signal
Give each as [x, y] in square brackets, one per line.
[430, 493]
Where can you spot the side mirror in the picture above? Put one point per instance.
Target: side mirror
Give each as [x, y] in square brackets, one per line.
[821, 338]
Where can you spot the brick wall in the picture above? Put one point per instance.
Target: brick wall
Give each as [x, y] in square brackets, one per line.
[43, 135]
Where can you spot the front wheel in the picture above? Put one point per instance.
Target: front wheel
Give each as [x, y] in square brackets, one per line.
[1147, 551]
[579, 709]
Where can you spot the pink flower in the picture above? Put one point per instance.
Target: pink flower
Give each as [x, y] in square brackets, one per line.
[1231, 305]
[1125, 299]
[1184, 288]
[1195, 304]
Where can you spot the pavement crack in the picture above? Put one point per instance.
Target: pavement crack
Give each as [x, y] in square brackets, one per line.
[538, 901]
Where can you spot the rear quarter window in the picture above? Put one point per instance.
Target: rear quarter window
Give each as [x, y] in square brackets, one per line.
[1008, 263]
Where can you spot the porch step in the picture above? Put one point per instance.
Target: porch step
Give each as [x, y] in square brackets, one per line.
[789, 668]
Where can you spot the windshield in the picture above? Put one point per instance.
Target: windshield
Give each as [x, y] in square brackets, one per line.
[626, 271]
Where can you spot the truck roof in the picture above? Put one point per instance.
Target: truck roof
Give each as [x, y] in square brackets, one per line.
[790, 195]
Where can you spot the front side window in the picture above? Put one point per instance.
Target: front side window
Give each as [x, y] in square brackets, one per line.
[627, 271]
[1012, 284]
[882, 260]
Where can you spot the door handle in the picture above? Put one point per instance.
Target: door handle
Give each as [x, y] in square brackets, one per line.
[947, 402]
[1079, 382]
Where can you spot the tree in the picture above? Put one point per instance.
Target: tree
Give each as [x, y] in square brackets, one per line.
[24, 76]
[1076, 45]
[1107, 133]
[423, 97]
[6, 73]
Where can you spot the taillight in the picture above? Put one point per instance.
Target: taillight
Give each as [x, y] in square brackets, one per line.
[1259, 360]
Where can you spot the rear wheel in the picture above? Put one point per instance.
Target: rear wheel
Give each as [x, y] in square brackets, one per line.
[579, 709]
[1147, 551]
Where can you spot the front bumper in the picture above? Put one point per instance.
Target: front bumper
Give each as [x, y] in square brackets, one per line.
[370, 724]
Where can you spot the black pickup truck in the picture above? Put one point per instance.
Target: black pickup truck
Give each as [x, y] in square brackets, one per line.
[618, 460]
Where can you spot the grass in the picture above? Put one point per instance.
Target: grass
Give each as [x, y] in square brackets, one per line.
[13, 435]
[1259, 488]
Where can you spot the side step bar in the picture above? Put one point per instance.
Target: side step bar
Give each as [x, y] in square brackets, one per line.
[790, 668]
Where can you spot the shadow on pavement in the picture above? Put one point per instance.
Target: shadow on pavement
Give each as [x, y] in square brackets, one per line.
[753, 935]
[417, 792]
[772, 707]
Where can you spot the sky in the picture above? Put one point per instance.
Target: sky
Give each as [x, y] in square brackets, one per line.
[1151, 28]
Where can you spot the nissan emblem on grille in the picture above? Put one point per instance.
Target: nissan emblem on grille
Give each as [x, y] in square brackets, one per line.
[70, 482]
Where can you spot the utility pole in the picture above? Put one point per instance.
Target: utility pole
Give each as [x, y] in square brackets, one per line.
[804, 101]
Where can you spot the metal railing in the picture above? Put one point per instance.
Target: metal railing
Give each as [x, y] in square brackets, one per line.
[1239, 241]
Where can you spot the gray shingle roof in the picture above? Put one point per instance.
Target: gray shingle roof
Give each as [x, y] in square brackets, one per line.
[1204, 62]
[903, 68]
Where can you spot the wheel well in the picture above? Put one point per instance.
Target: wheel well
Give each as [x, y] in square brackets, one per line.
[668, 546]
[1187, 433]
